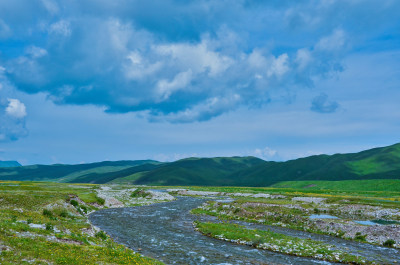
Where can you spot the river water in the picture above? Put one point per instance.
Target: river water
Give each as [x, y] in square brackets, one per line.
[165, 232]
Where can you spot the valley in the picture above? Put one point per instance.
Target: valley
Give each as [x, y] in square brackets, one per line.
[197, 225]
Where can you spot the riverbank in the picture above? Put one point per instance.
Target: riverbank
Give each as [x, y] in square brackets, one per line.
[365, 219]
[47, 223]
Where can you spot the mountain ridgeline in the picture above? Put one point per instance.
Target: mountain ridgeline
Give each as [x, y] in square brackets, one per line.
[377, 163]
[9, 164]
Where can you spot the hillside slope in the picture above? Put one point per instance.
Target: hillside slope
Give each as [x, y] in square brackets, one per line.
[199, 171]
[69, 173]
[9, 164]
[377, 163]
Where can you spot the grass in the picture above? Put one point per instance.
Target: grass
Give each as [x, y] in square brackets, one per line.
[282, 211]
[277, 242]
[374, 185]
[40, 224]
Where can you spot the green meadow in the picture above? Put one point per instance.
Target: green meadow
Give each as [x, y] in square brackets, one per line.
[46, 223]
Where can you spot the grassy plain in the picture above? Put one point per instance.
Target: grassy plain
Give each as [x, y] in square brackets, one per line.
[277, 242]
[46, 223]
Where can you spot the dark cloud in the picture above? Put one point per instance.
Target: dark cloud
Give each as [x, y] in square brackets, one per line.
[322, 104]
[183, 61]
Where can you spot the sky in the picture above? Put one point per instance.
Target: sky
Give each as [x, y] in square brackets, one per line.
[92, 80]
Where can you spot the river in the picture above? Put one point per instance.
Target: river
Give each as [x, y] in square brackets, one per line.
[165, 232]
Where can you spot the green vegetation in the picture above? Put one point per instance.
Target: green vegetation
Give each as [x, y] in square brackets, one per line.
[344, 185]
[142, 193]
[378, 163]
[9, 164]
[292, 208]
[389, 243]
[45, 223]
[99, 173]
[277, 242]
[199, 171]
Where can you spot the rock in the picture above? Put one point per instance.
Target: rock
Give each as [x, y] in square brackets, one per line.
[316, 200]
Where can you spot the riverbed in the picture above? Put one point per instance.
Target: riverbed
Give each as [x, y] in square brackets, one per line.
[164, 231]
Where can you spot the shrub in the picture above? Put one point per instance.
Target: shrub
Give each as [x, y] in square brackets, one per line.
[360, 237]
[47, 213]
[100, 201]
[64, 213]
[140, 193]
[84, 208]
[49, 227]
[74, 203]
[389, 243]
[101, 235]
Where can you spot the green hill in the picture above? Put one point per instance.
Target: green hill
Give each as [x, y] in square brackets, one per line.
[199, 171]
[9, 164]
[377, 163]
[70, 173]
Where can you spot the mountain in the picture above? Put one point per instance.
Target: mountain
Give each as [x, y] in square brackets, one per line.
[199, 171]
[9, 164]
[71, 173]
[377, 163]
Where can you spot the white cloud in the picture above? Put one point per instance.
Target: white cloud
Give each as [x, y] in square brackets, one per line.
[266, 153]
[61, 27]
[138, 67]
[257, 60]
[16, 108]
[204, 111]
[333, 42]
[51, 6]
[165, 88]
[36, 52]
[303, 58]
[5, 30]
[197, 57]
[279, 66]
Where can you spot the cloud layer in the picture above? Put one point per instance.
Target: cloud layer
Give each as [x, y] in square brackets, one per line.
[183, 61]
[12, 113]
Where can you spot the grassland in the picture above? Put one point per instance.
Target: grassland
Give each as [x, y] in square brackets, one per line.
[277, 242]
[293, 207]
[46, 223]
[42, 222]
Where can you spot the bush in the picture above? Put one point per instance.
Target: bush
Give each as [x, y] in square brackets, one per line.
[84, 208]
[101, 235]
[140, 193]
[49, 227]
[74, 203]
[64, 213]
[100, 201]
[47, 213]
[360, 237]
[389, 243]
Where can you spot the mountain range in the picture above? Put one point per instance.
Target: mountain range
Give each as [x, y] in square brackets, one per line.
[377, 163]
[9, 164]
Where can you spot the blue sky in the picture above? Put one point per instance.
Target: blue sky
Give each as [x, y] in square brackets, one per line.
[84, 81]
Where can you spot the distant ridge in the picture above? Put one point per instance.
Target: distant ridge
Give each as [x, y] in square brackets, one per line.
[9, 164]
[376, 163]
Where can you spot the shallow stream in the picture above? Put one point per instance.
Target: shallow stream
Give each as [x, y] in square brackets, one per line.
[164, 231]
